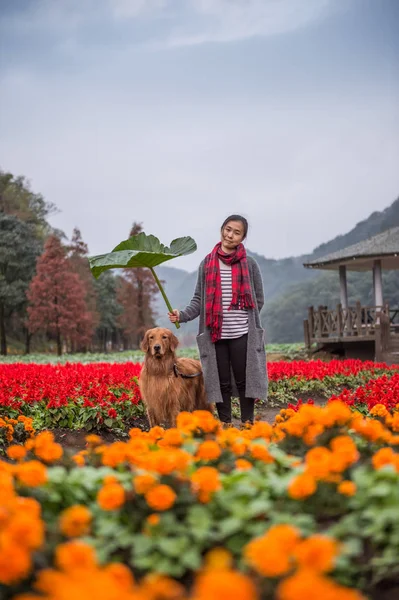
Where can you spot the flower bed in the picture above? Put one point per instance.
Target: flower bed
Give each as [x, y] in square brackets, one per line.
[306, 508]
[99, 395]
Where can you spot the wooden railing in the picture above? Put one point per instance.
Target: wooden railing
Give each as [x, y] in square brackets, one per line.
[355, 321]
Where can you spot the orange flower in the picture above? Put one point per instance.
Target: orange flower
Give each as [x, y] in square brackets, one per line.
[243, 465]
[78, 459]
[121, 575]
[318, 462]
[16, 452]
[224, 583]
[347, 488]
[26, 530]
[172, 437]
[270, 555]
[75, 521]
[205, 481]
[218, 558]
[385, 456]
[208, 450]
[115, 454]
[345, 452]
[15, 562]
[318, 553]
[259, 452]
[93, 440]
[31, 473]
[308, 585]
[302, 486]
[143, 483]
[111, 496]
[379, 410]
[45, 448]
[160, 497]
[153, 519]
[75, 554]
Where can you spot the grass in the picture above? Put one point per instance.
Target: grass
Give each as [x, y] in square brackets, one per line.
[288, 351]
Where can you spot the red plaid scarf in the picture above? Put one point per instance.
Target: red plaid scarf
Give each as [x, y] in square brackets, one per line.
[242, 294]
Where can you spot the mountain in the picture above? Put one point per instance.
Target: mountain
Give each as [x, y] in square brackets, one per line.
[289, 287]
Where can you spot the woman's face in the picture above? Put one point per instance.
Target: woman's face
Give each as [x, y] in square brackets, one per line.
[232, 235]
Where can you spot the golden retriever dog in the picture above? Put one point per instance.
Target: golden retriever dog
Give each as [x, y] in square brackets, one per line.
[169, 384]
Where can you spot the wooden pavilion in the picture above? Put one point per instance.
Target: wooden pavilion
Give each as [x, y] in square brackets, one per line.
[368, 332]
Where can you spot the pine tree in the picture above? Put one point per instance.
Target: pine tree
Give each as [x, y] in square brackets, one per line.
[56, 297]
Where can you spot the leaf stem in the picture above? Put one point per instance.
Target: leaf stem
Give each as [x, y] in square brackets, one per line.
[159, 284]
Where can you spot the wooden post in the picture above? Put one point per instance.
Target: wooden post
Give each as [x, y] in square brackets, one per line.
[311, 322]
[306, 333]
[343, 286]
[377, 283]
[359, 318]
[340, 324]
[320, 311]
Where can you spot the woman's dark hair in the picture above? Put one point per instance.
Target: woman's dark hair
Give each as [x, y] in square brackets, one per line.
[237, 218]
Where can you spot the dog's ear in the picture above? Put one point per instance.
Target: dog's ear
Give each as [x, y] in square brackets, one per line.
[144, 343]
[173, 341]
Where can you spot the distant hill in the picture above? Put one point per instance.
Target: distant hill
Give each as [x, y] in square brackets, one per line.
[289, 287]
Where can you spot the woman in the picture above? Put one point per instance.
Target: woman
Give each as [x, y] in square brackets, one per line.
[228, 299]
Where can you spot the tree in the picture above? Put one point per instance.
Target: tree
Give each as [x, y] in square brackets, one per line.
[18, 200]
[136, 293]
[19, 249]
[108, 308]
[57, 299]
[78, 257]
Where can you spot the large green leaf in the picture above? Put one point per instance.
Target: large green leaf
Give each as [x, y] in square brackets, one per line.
[141, 251]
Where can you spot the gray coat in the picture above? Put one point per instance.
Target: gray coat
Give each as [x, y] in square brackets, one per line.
[256, 374]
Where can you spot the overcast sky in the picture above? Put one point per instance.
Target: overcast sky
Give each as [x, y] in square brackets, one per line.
[176, 113]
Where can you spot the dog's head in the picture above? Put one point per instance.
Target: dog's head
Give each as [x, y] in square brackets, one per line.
[159, 341]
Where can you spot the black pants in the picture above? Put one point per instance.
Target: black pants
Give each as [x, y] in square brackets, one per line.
[232, 354]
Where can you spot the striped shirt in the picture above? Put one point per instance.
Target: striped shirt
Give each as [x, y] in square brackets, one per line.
[235, 322]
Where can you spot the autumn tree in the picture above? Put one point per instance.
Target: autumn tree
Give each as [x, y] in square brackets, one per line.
[78, 253]
[136, 294]
[56, 297]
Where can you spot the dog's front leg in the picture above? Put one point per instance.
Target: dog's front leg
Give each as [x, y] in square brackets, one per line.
[152, 417]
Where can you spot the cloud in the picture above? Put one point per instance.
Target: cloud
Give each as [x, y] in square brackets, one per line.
[184, 22]
[230, 20]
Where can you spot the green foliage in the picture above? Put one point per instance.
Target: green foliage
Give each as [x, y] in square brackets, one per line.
[141, 251]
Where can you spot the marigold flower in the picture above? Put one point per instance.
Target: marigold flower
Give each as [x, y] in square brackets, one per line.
[208, 450]
[31, 473]
[111, 496]
[75, 554]
[143, 483]
[218, 558]
[243, 465]
[160, 497]
[318, 462]
[153, 519]
[309, 585]
[79, 459]
[302, 486]
[115, 454]
[224, 583]
[270, 555]
[45, 448]
[259, 452]
[318, 553]
[93, 440]
[15, 562]
[75, 521]
[16, 452]
[347, 488]
[205, 481]
[26, 530]
[385, 456]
